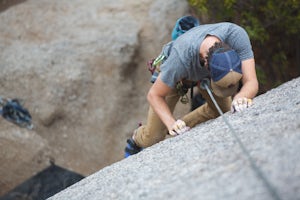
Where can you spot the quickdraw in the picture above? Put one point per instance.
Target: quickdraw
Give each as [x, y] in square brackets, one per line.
[159, 59]
[182, 91]
[13, 111]
[154, 63]
[154, 67]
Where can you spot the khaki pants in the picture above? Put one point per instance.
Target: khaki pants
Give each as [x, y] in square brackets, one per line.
[155, 131]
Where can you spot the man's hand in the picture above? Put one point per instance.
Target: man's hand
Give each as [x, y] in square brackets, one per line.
[179, 127]
[240, 104]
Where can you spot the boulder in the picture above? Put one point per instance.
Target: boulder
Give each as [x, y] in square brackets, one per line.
[80, 67]
[23, 153]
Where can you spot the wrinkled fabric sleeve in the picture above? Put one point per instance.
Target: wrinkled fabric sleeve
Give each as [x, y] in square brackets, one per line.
[239, 40]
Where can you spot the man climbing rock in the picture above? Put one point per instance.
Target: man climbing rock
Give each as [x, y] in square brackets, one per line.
[219, 52]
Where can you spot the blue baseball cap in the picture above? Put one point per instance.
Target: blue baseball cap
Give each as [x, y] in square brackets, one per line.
[184, 24]
[226, 72]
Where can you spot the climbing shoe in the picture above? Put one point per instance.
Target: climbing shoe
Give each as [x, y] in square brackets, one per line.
[131, 148]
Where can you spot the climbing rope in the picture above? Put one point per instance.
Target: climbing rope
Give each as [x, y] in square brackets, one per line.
[13, 111]
[205, 85]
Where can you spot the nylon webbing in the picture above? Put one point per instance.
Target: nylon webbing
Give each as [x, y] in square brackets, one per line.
[256, 169]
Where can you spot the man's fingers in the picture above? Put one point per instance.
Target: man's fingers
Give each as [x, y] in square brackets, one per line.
[240, 104]
[173, 133]
[249, 102]
[183, 130]
[178, 128]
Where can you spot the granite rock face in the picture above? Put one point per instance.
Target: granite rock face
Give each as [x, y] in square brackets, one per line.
[208, 163]
[80, 67]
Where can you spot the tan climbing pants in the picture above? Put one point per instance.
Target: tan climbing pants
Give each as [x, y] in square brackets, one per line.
[155, 131]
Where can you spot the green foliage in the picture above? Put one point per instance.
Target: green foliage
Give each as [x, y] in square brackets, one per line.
[273, 27]
[261, 76]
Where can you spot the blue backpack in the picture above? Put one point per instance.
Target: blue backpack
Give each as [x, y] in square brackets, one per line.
[184, 24]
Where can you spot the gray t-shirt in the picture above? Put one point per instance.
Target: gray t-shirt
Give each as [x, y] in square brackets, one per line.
[183, 59]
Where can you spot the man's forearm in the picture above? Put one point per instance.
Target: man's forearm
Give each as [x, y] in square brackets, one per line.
[250, 83]
[249, 90]
[161, 108]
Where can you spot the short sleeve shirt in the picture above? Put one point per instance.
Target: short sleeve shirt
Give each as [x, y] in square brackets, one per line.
[183, 59]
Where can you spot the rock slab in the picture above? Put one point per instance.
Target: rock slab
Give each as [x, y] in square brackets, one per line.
[208, 163]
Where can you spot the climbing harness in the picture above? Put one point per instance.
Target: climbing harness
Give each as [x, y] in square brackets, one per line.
[13, 111]
[204, 84]
[183, 87]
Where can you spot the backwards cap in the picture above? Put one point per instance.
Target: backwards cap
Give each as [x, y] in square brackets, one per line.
[184, 24]
[225, 69]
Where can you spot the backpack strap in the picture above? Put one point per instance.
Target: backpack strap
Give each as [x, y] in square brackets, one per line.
[169, 50]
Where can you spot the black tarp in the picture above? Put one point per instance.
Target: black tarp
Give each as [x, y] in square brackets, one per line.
[46, 183]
